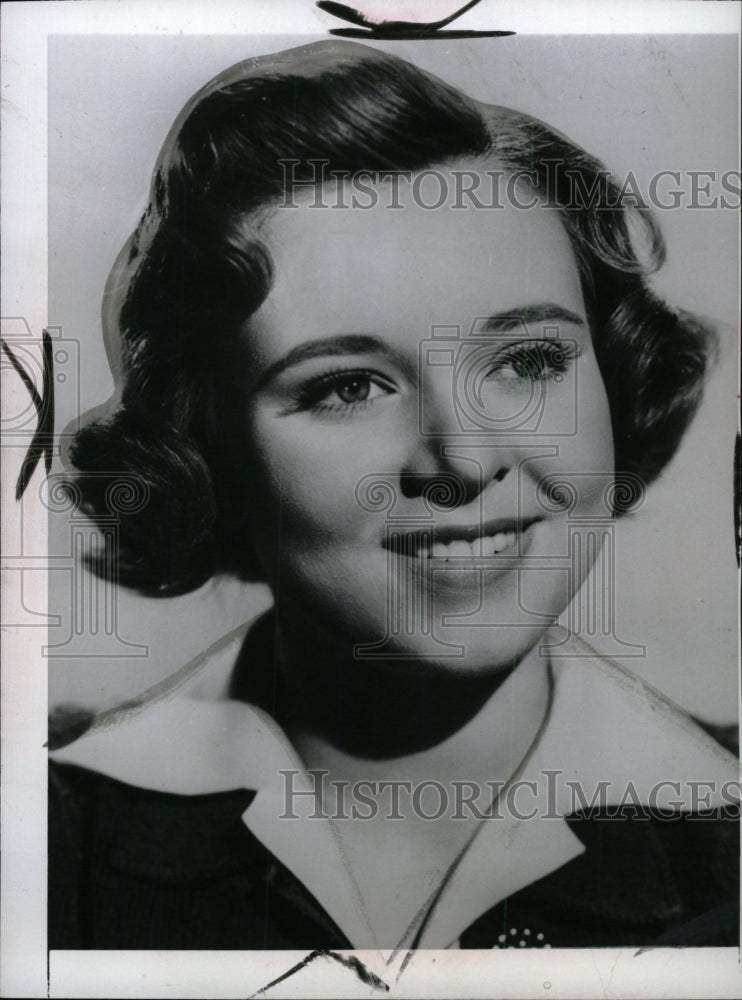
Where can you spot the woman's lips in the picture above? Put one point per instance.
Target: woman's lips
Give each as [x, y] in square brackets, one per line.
[452, 542]
[485, 545]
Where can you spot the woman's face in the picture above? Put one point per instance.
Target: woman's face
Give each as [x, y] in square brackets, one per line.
[445, 356]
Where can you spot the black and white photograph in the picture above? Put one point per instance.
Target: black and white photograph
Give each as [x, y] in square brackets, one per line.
[371, 499]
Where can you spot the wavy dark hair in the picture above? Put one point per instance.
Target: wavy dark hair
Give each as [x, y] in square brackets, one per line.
[194, 271]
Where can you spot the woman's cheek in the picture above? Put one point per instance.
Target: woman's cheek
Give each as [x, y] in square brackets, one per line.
[312, 476]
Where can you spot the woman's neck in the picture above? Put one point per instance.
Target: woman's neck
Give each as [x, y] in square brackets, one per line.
[402, 720]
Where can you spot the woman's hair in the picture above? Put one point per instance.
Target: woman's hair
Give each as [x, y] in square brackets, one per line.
[196, 271]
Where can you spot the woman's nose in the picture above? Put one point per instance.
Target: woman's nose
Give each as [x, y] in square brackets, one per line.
[454, 482]
[444, 451]
[458, 470]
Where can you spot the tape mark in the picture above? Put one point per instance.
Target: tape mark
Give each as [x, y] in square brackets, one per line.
[42, 442]
[366, 976]
[397, 30]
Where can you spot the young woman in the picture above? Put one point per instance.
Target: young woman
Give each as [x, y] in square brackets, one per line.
[392, 351]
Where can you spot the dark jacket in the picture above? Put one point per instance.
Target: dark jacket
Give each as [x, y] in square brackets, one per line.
[137, 869]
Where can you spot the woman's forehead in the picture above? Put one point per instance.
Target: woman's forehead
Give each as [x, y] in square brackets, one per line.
[339, 262]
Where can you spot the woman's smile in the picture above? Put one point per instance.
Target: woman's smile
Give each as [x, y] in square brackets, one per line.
[464, 542]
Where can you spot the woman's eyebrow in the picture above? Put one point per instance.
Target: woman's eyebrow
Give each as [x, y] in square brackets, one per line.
[542, 312]
[363, 343]
[346, 343]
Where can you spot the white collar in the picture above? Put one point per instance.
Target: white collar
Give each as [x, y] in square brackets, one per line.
[606, 725]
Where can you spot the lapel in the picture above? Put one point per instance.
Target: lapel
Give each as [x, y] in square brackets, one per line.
[606, 725]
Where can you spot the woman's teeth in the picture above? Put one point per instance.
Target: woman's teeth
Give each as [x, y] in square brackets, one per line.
[486, 546]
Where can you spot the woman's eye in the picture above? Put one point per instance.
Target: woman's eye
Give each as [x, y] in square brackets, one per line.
[344, 392]
[535, 361]
[355, 389]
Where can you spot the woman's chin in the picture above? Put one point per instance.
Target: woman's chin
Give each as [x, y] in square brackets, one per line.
[454, 648]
